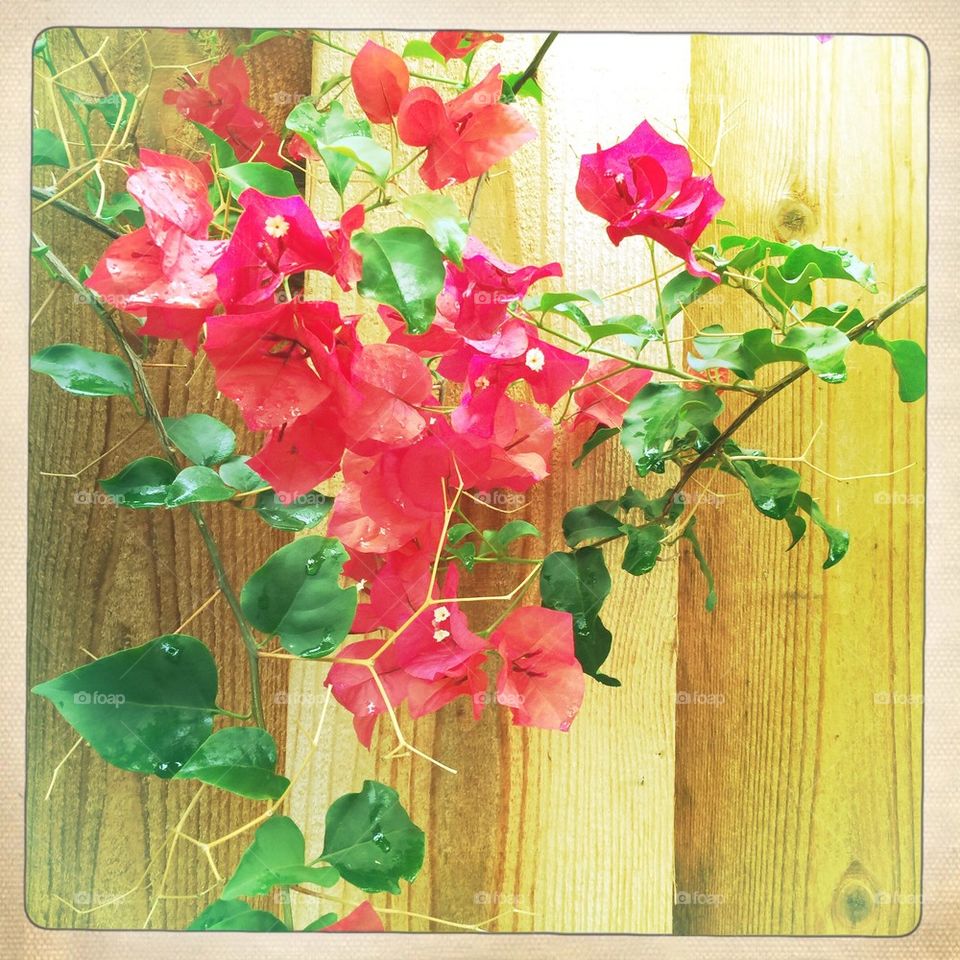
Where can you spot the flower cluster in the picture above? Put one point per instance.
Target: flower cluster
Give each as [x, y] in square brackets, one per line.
[375, 412]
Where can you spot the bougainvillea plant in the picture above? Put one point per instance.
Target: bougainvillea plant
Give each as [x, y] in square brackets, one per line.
[475, 369]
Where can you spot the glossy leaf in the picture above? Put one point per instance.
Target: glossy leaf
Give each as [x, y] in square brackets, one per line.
[296, 595]
[838, 541]
[321, 923]
[304, 513]
[578, 582]
[263, 177]
[222, 153]
[423, 50]
[48, 149]
[145, 709]
[242, 760]
[237, 915]
[402, 268]
[773, 489]
[141, 484]
[84, 372]
[275, 858]
[499, 540]
[690, 534]
[664, 418]
[909, 362]
[823, 348]
[197, 485]
[371, 840]
[441, 218]
[241, 477]
[643, 548]
[599, 436]
[202, 439]
[529, 88]
[589, 522]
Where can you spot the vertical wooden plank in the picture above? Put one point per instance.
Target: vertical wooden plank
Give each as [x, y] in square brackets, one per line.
[575, 827]
[102, 579]
[798, 793]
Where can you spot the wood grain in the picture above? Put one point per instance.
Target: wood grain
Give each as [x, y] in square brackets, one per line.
[798, 796]
[575, 827]
[101, 579]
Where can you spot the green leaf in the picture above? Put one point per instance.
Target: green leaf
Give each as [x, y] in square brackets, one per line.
[370, 839]
[589, 522]
[238, 475]
[422, 50]
[529, 88]
[261, 36]
[275, 858]
[837, 315]
[499, 540]
[909, 362]
[242, 760]
[402, 268]
[635, 330]
[664, 418]
[798, 527]
[223, 154]
[643, 548]
[690, 534]
[296, 596]
[84, 372]
[564, 304]
[323, 130]
[145, 709]
[197, 485]
[598, 436]
[236, 915]
[321, 923]
[578, 583]
[141, 484]
[679, 292]
[366, 153]
[838, 540]
[305, 512]
[264, 177]
[458, 531]
[823, 348]
[119, 204]
[773, 489]
[441, 218]
[201, 438]
[48, 149]
[113, 108]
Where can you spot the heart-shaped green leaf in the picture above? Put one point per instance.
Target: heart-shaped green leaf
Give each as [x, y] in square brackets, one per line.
[141, 484]
[304, 513]
[239, 759]
[87, 373]
[197, 485]
[145, 709]
[202, 439]
[371, 840]
[296, 595]
[441, 218]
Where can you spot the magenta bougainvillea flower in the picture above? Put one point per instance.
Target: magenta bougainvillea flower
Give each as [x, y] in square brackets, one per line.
[279, 236]
[608, 387]
[464, 137]
[456, 44]
[380, 81]
[645, 186]
[163, 271]
[222, 106]
[541, 680]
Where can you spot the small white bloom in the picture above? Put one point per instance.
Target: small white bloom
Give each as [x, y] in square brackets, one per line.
[276, 226]
[441, 614]
[440, 635]
[535, 359]
[361, 585]
[482, 383]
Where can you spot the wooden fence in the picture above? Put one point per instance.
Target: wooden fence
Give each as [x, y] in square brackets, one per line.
[788, 803]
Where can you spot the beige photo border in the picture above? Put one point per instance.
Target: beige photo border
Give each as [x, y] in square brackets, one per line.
[936, 23]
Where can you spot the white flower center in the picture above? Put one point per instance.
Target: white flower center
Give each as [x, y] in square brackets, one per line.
[441, 614]
[440, 635]
[482, 383]
[276, 226]
[535, 359]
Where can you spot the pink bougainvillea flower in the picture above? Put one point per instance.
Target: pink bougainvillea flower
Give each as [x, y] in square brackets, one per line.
[466, 680]
[380, 81]
[279, 236]
[396, 584]
[391, 382]
[353, 686]
[608, 388]
[456, 44]
[362, 919]
[173, 194]
[541, 680]
[464, 137]
[300, 455]
[275, 364]
[475, 298]
[223, 107]
[645, 186]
